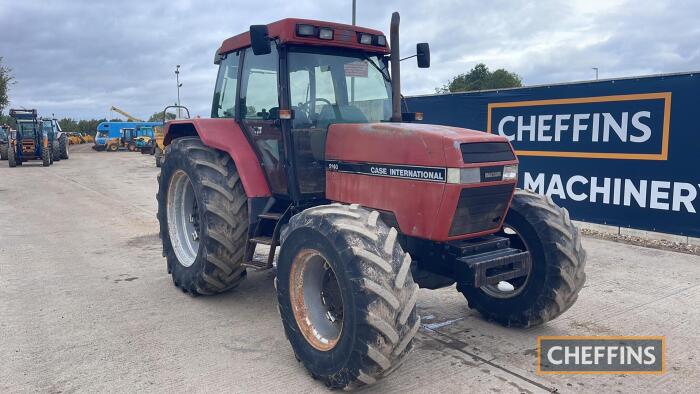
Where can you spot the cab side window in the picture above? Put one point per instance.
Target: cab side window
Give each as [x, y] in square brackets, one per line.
[224, 105]
[259, 89]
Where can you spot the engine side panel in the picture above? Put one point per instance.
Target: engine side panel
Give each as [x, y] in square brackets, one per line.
[401, 168]
[227, 136]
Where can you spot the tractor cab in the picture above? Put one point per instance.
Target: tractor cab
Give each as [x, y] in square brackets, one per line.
[302, 77]
[128, 138]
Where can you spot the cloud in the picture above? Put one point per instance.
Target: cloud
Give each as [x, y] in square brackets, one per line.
[78, 58]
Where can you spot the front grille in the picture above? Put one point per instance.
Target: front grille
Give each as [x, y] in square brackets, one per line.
[484, 152]
[480, 209]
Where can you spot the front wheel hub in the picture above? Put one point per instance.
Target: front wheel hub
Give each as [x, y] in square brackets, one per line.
[317, 302]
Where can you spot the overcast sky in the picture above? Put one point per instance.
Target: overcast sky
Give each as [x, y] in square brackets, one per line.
[77, 58]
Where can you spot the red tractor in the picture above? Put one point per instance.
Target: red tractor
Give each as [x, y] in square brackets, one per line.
[308, 151]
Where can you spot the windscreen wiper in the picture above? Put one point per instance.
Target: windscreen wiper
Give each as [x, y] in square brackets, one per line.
[381, 70]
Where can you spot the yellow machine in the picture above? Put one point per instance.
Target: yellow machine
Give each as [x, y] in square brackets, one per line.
[113, 144]
[75, 138]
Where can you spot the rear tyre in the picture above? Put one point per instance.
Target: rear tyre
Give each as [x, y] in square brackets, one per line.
[203, 215]
[3, 152]
[46, 157]
[63, 147]
[535, 223]
[346, 295]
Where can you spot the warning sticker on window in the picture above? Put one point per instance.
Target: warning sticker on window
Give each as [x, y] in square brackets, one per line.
[356, 69]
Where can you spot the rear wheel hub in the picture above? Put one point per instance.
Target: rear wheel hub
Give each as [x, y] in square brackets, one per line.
[183, 218]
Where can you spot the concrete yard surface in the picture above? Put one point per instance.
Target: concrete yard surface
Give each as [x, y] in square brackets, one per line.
[86, 305]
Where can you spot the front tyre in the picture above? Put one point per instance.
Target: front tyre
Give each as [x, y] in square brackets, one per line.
[55, 151]
[46, 159]
[63, 147]
[536, 224]
[11, 156]
[203, 215]
[346, 295]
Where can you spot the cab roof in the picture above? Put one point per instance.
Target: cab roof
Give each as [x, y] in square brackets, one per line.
[285, 31]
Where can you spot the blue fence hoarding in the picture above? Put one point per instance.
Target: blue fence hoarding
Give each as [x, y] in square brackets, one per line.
[622, 152]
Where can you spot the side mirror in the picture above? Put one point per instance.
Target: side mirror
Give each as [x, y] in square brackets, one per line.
[259, 40]
[423, 55]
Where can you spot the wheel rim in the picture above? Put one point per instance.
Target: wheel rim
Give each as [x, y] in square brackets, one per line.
[183, 218]
[512, 287]
[317, 302]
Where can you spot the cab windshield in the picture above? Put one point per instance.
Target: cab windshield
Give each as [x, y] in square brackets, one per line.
[26, 129]
[48, 126]
[330, 86]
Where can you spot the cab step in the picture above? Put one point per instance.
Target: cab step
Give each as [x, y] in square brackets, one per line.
[271, 216]
[261, 240]
[257, 265]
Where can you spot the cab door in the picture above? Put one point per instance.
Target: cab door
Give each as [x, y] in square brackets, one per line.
[258, 109]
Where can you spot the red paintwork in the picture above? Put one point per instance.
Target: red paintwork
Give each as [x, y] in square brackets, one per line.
[285, 31]
[226, 135]
[402, 143]
[423, 209]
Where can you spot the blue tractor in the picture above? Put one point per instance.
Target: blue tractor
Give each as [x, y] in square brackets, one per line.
[30, 141]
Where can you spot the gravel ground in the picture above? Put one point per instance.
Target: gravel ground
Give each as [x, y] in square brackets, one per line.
[86, 305]
[646, 242]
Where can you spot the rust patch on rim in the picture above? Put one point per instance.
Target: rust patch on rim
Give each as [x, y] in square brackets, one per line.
[316, 317]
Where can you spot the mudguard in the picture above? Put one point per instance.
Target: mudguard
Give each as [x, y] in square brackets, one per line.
[225, 135]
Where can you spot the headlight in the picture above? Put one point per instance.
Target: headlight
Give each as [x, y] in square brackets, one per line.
[510, 173]
[463, 175]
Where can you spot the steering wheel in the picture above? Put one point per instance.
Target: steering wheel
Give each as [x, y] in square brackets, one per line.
[305, 106]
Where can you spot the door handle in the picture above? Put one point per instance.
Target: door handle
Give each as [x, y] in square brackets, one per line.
[257, 130]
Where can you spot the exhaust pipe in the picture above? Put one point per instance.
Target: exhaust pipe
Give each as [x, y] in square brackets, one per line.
[395, 68]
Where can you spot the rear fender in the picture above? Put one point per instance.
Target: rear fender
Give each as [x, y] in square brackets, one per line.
[227, 136]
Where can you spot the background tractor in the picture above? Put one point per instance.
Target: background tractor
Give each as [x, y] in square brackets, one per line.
[59, 145]
[144, 139]
[30, 141]
[4, 133]
[308, 152]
